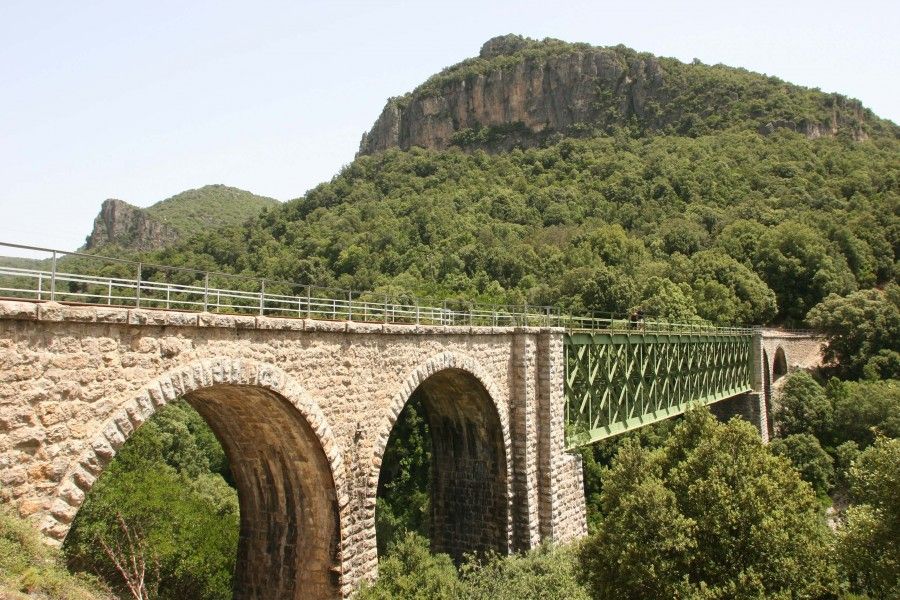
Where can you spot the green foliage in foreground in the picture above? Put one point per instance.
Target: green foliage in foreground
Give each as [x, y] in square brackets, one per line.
[411, 572]
[868, 546]
[167, 485]
[738, 521]
[31, 569]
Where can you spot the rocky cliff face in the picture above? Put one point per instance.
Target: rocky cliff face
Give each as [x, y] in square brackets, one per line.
[128, 226]
[507, 97]
[178, 217]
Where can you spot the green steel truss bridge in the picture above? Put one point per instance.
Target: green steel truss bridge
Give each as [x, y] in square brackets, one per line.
[619, 375]
[616, 381]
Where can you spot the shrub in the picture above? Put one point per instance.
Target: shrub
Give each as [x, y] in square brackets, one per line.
[411, 572]
[546, 573]
[803, 408]
[30, 568]
[807, 456]
[738, 522]
[864, 409]
[867, 542]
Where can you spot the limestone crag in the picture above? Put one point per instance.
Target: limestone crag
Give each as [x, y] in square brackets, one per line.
[125, 225]
[542, 95]
[521, 100]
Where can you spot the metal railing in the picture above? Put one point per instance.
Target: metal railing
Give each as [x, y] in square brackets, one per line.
[81, 278]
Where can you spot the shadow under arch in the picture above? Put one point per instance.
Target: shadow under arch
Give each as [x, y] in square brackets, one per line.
[470, 475]
[767, 394]
[779, 365]
[284, 459]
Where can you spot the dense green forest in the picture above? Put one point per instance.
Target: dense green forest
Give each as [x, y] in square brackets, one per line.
[734, 228]
[691, 213]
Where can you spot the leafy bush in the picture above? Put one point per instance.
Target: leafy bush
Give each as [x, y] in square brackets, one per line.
[546, 573]
[863, 329]
[803, 407]
[863, 409]
[807, 456]
[29, 568]
[738, 522]
[411, 572]
[181, 517]
[867, 542]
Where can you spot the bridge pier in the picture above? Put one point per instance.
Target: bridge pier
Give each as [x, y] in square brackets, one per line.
[749, 406]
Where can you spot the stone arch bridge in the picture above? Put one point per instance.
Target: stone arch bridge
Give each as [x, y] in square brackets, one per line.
[304, 409]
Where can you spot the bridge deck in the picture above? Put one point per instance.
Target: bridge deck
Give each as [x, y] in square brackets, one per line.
[620, 375]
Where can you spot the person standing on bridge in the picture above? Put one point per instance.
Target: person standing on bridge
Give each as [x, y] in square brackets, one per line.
[636, 319]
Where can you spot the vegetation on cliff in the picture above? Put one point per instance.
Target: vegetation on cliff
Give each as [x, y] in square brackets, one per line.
[500, 100]
[128, 227]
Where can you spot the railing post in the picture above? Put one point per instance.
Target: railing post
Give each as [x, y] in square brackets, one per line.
[417, 311]
[40, 289]
[308, 300]
[385, 308]
[53, 279]
[109, 292]
[206, 292]
[137, 293]
[350, 305]
[262, 296]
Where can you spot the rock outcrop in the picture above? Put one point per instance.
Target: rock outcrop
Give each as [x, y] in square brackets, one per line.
[519, 92]
[169, 220]
[128, 226]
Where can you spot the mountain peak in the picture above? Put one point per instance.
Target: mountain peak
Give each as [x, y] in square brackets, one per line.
[503, 45]
[522, 92]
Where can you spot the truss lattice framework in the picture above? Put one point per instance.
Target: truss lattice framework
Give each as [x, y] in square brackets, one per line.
[618, 382]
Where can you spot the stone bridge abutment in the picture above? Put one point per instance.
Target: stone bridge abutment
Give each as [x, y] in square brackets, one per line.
[304, 410]
[775, 354]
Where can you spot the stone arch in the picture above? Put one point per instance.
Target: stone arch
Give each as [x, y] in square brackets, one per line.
[453, 384]
[779, 364]
[292, 483]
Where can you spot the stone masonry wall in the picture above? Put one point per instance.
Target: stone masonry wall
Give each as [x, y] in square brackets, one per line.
[76, 381]
[801, 351]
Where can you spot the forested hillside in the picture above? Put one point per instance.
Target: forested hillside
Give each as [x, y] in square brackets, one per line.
[733, 227]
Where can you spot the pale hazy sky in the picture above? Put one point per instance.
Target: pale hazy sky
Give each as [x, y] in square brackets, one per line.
[142, 100]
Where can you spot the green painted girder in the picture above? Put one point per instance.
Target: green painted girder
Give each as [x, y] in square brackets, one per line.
[616, 382]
